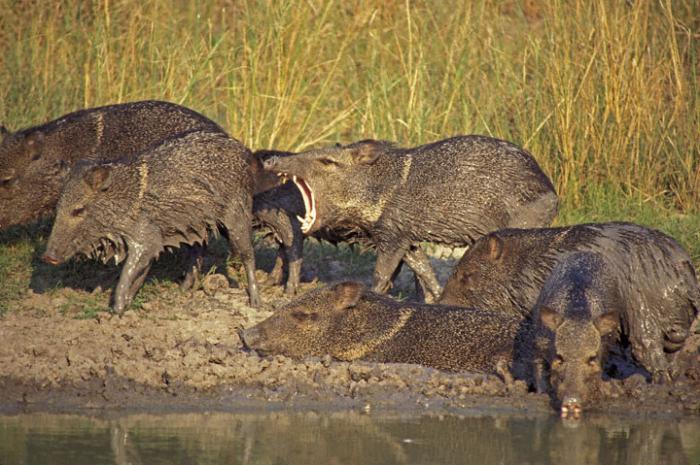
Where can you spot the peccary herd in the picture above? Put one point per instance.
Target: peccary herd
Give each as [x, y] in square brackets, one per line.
[526, 301]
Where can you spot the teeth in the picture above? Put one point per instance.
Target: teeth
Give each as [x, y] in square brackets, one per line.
[309, 205]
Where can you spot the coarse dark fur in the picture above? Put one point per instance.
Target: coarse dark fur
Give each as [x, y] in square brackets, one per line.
[578, 316]
[349, 322]
[35, 162]
[176, 193]
[277, 208]
[452, 191]
[506, 270]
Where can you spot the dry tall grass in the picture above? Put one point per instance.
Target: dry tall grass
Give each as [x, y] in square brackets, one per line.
[605, 94]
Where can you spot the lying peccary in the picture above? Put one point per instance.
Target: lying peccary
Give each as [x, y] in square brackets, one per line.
[175, 193]
[281, 209]
[660, 296]
[35, 162]
[349, 322]
[451, 192]
[579, 314]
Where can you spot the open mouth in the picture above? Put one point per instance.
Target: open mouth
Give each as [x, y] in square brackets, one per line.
[309, 202]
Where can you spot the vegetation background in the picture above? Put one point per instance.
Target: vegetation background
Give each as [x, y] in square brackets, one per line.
[604, 93]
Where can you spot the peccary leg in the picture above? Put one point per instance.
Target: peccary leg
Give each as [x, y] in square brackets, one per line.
[194, 267]
[503, 370]
[540, 376]
[649, 352]
[277, 272]
[387, 262]
[133, 274]
[239, 232]
[294, 253]
[418, 261]
[288, 232]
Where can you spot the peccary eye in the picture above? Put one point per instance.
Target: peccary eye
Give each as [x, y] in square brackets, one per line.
[303, 316]
[327, 161]
[78, 211]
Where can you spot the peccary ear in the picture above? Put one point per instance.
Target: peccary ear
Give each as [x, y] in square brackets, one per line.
[34, 142]
[347, 294]
[495, 247]
[365, 154]
[4, 132]
[606, 323]
[98, 177]
[549, 318]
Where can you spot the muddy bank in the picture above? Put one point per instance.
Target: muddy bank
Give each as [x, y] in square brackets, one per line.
[181, 351]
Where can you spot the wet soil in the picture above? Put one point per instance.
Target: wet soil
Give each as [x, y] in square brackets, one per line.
[182, 351]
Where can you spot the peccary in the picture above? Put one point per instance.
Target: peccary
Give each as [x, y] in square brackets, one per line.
[579, 315]
[175, 193]
[35, 162]
[349, 322]
[451, 192]
[281, 208]
[276, 208]
[506, 270]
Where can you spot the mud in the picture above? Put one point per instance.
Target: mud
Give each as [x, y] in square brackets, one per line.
[181, 351]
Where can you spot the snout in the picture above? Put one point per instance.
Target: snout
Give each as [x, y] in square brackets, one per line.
[571, 406]
[271, 163]
[51, 259]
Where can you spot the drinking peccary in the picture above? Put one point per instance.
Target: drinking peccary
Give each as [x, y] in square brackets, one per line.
[579, 315]
[35, 162]
[349, 322]
[280, 210]
[660, 296]
[451, 192]
[175, 193]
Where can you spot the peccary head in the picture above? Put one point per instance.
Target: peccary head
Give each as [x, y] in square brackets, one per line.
[29, 177]
[577, 363]
[266, 180]
[315, 324]
[338, 184]
[93, 216]
[577, 309]
[480, 279]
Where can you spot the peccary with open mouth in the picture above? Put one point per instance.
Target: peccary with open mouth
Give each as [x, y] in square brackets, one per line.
[175, 193]
[451, 192]
[280, 209]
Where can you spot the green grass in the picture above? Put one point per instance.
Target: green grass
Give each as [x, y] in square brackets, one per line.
[604, 94]
[83, 307]
[333, 263]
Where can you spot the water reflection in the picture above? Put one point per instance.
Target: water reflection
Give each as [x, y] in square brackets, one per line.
[344, 438]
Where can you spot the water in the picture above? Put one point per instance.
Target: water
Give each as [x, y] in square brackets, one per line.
[344, 438]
